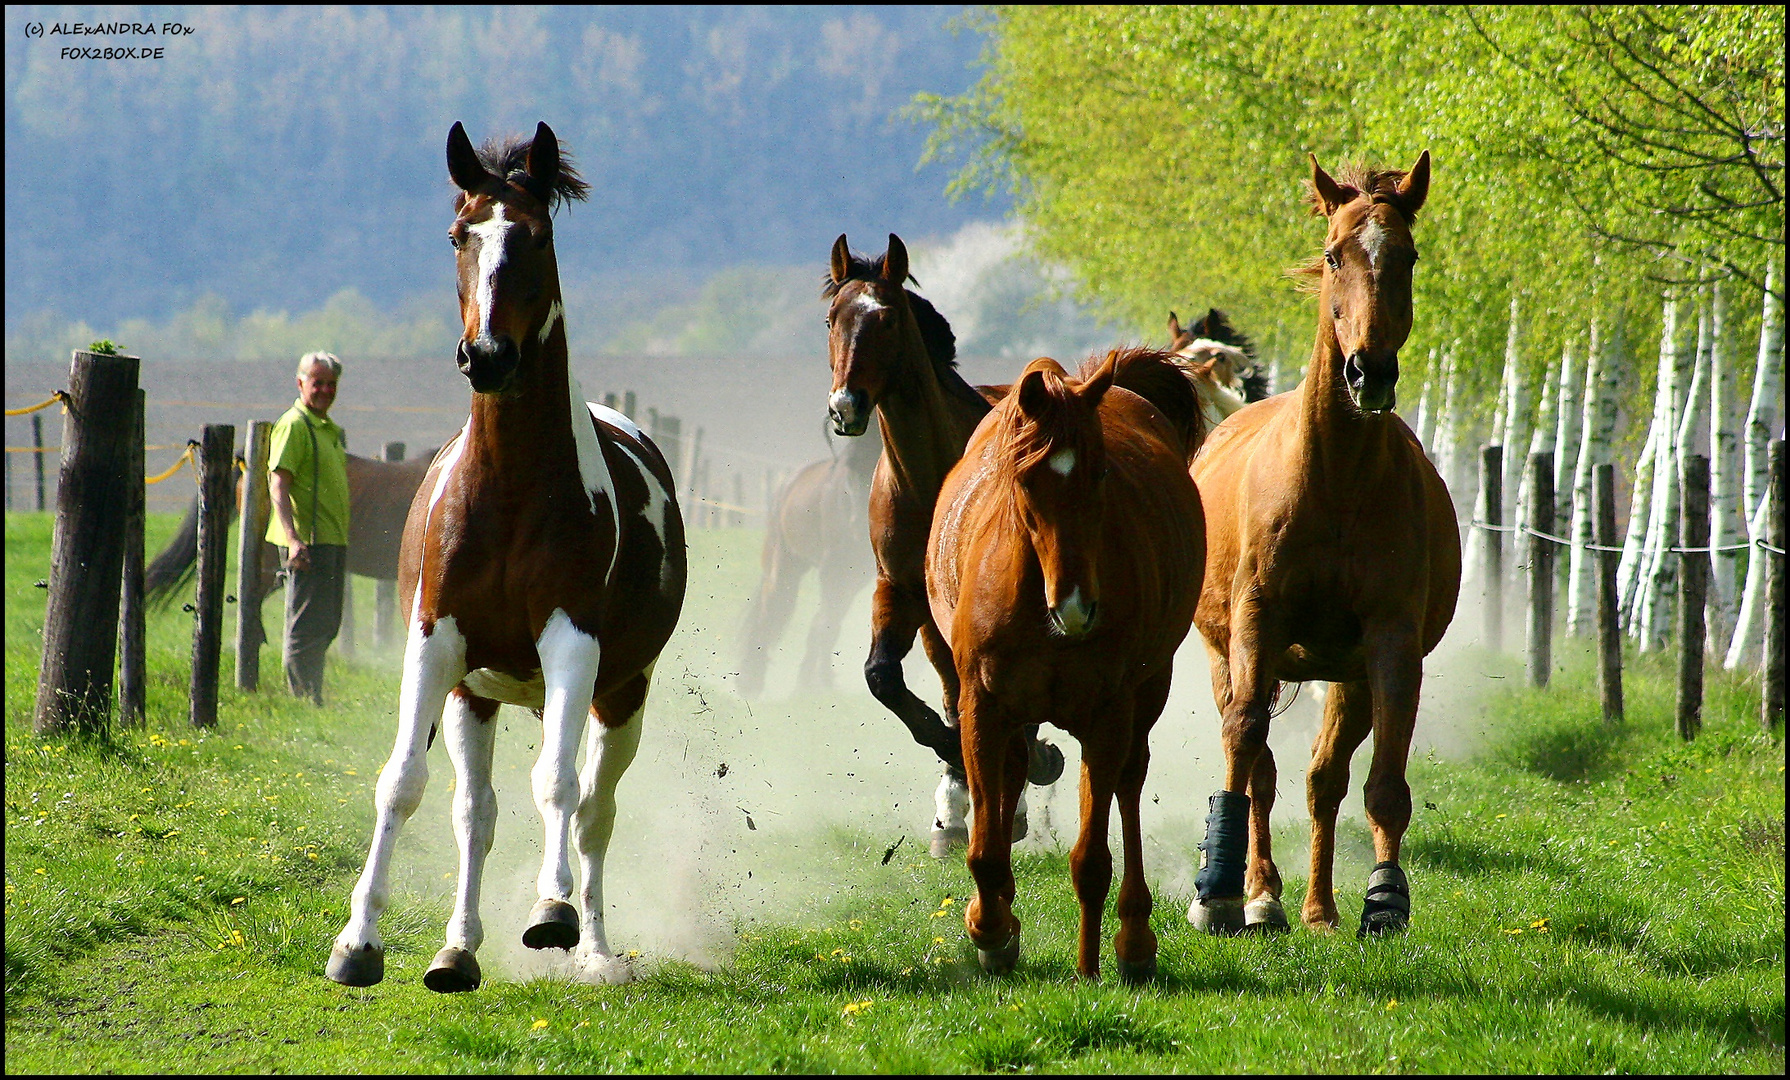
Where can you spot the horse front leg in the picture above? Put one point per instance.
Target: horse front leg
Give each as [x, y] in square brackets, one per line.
[434, 661]
[1395, 676]
[767, 615]
[569, 660]
[988, 917]
[613, 741]
[1135, 945]
[896, 615]
[1103, 757]
[471, 738]
[1348, 717]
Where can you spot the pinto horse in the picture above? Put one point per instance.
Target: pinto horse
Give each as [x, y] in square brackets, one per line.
[1332, 554]
[816, 522]
[893, 354]
[1221, 361]
[1063, 567]
[542, 566]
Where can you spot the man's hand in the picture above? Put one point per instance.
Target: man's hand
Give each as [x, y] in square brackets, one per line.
[300, 557]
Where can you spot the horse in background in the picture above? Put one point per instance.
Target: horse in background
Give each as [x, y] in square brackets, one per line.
[1063, 567]
[817, 522]
[543, 565]
[1332, 554]
[893, 355]
[1221, 361]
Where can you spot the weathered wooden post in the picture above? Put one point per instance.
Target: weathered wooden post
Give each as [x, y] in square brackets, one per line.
[37, 456]
[628, 405]
[1491, 565]
[609, 401]
[216, 444]
[385, 593]
[251, 543]
[1541, 567]
[133, 663]
[1609, 631]
[74, 685]
[1771, 708]
[1693, 584]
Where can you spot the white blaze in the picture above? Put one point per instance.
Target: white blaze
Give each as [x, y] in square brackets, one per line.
[491, 233]
[1062, 462]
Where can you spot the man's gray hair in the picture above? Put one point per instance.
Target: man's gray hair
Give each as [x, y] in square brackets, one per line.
[327, 360]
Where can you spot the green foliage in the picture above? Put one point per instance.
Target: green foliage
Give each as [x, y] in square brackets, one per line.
[103, 347]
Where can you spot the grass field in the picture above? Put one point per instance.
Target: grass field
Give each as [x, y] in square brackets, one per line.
[1585, 899]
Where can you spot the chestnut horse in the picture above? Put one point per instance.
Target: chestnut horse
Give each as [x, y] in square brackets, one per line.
[816, 522]
[1063, 567]
[1332, 554]
[542, 566]
[893, 354]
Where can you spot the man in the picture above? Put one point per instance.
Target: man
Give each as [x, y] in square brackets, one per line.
[308, 480]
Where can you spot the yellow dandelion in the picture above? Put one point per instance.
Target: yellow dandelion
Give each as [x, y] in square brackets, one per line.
[947, 901]
[40, 870]
[1514, 931]
[239, 900]
[133, 817]
[939, 914]
[198, 877]
[581, 1024]
[1539, 924]
[938, 941]
[1391, 1005]
[856, 924]
[907, 971]
[1503, 815]
[539, 1024]
[633, 953]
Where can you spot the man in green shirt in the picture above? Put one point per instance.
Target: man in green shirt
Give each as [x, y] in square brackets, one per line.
[308, 480]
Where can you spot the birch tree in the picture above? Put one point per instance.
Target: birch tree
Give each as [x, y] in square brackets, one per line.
[1725, 516]
[1566, 437]
[1659, 576]
[1597, 426]
[1762, 422]
[1516, 417]
[1425, 411]
[1541, 438]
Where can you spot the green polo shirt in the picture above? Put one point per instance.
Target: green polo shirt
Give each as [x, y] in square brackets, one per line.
[314, 450]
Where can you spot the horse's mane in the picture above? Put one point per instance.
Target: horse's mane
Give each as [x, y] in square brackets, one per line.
[1217, 326]
[1380, 185]
[1155, 376]
[935, 331]
[506, 157]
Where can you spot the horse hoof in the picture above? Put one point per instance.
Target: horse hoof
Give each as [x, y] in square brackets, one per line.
[947, 841]
[1136, 974]
[1002, 960]
[1387, 909]
[1020, 828]
[454, 971]
[1222, 918]
[552, 924]
[356, 967]
[1265, 916]
[1045, 765]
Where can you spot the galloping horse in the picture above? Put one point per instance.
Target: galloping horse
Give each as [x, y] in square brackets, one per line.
[816, 522]
[542, 566]
[894, 354]
[1063, 567]
[1221, 361]
[1331, 554]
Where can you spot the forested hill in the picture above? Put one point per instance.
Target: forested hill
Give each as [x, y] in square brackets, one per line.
[277, 155]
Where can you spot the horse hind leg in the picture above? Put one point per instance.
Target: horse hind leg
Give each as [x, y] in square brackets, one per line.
[1348, 717]
[993, 769]
[618, 718]
[838, 585]
[471, 737]
[569, 661]
[769, 614]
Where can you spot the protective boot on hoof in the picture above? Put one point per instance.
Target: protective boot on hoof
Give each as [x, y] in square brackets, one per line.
[1220, 917]
[1265, 916]
[1135, 974]
[1044, 763]
[453, 971]
[1000, 961]
[356, 967]
[1387, 909]
[946, 840]
[1217, 906]
[552, 924]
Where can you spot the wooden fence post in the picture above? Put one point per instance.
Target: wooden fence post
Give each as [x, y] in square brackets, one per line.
[385, 593]
[1541, 567]
[1771, 706]
[628, 404]
[1491, 565]
[37, 443]
[216, 444]
[251, 543]
[133, 665]
[74, 686]
[1609, 631]
[1693, 584]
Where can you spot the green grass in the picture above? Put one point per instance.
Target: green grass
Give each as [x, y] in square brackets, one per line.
[1586, 899]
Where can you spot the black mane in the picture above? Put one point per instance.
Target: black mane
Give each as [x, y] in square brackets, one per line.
[1216, 326]
[935, 331]
[506, 157]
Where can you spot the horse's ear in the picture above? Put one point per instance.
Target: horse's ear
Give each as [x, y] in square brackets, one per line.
[1414, 188]
[543, 157]
[841, 259]
[1097, 384]
[895, 262]
[1174, 327]
[1033, 393]
[1329, 193]
[463, 162]
[1211, 322]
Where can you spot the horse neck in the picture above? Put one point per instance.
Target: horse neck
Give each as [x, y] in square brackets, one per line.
[923, 426]
[533, 421]
[1335, 436]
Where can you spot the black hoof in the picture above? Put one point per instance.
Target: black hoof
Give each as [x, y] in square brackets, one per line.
[552, 924]
[1387, 909]
[1000, 961]
[1136, 974]
[1045, 763]
[454, 971]
[356, 967]
[947, 841]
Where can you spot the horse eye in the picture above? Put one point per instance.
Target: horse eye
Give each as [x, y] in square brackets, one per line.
[453, 241]
[1330, 258]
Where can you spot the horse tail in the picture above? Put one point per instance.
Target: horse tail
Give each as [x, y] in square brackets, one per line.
[1155, 376]
[172, 569]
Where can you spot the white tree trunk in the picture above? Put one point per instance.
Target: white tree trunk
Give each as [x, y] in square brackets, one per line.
[1597, 426]
[1566, 437]
[1445, 435]
[1516, 419]
[1541, 437]
[1726, 524]
[1472, 466]
[1628, 571]
[1425, 424]
[1762, 422]
[1659, 579]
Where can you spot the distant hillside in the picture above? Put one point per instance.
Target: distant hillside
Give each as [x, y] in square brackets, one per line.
[278, 156]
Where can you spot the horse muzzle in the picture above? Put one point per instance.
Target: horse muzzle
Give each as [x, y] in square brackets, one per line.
[1074, 616]
[489, 364]
[1372, 381]
[850, 411]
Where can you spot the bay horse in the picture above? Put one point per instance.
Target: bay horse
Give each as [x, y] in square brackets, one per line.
[817, 522]
[1221, 361]
[894, 355]
[1332, 554]
[1063, 567]
[543, 565]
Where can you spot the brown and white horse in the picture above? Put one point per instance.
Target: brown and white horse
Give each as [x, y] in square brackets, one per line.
[894, 355]
[1332, 554]
[1221, 362]
[1063, 567]
[542, 566]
